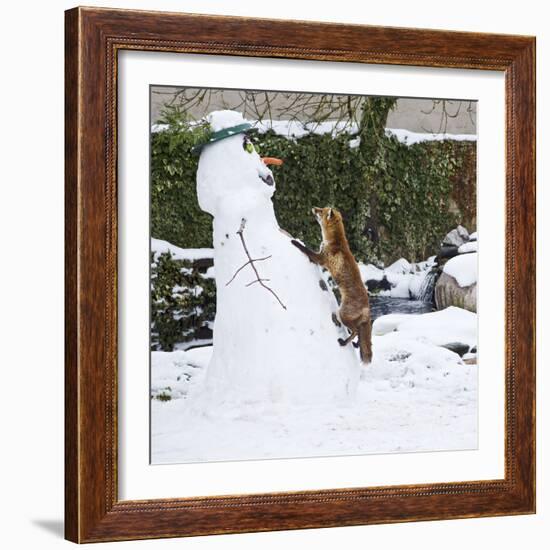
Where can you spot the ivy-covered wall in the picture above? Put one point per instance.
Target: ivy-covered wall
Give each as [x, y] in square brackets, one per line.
[397, 200]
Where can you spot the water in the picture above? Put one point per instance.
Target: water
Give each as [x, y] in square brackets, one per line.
[426, 293]
[384, 305]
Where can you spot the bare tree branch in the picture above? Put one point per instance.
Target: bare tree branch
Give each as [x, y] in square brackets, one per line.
[244, 265]
[250, 262]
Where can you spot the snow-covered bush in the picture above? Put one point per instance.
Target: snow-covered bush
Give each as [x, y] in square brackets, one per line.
[183, 300]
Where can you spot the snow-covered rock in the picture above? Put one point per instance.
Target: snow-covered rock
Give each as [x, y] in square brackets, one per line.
[452, 324]
[456, 237]
[463, 269]
[457, 285]
[370, 272]
[401, 279]
[470, 246]
[400, 266]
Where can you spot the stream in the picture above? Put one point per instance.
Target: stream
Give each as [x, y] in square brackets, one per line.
[384, 305]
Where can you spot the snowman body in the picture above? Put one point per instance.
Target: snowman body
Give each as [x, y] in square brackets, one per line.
[264, 352]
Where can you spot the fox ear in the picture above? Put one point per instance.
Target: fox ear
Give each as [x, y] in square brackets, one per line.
[329, 214]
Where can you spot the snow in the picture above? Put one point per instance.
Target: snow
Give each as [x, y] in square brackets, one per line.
[172, 373]
[294, 129]
[414, 396]
[452, 324]
[463, 268]
[218, 120]
[370, 272]
[470, 246]
[159, 246]
[401, 266]
[473, 236]
[400, 284]
[210, 273]
[411, 138]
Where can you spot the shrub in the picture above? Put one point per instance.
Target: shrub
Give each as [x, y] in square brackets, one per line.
[183, 301]
[397, 200]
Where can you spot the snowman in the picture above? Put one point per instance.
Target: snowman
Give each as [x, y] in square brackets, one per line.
[275, 332]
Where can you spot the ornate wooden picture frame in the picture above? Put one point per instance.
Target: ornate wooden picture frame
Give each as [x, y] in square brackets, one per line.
[94, 37]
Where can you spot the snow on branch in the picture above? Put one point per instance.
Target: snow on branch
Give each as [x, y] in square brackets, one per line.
[251, 262]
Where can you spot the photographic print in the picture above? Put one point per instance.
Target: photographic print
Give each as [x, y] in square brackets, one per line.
[313, 279]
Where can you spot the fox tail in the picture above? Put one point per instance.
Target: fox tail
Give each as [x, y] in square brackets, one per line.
[365, 343]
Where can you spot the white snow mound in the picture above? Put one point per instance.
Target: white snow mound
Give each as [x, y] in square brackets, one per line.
[463, 268]
[452, 324]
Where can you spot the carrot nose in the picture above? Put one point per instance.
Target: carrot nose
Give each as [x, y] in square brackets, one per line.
[271, 160]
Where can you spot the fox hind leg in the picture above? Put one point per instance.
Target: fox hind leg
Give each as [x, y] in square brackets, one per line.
[345, 342]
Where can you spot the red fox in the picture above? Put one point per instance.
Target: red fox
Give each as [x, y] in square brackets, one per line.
[336, 256]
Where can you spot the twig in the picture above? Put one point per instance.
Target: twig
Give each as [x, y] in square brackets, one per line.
[250, 262]
[244, 265]
[256, 281]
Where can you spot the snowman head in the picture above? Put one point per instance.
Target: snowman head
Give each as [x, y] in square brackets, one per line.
[229, 166]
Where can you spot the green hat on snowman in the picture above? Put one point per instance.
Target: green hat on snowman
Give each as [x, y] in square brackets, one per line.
[222, 125]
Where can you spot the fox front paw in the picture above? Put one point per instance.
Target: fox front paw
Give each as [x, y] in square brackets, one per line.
[308, 253]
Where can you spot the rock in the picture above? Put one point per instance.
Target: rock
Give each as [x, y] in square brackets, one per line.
[449, 293]
[458, 347]
[202, 264]
[446, 252]
[203, 333]
[456, 237]
[375, 285]
[463, 232]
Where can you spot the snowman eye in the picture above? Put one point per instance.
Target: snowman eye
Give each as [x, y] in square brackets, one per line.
[248, 146]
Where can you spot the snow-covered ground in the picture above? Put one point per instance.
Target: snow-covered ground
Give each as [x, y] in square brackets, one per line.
[415, 396]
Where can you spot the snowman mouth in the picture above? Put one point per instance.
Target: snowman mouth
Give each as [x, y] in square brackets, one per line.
[267, 179]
